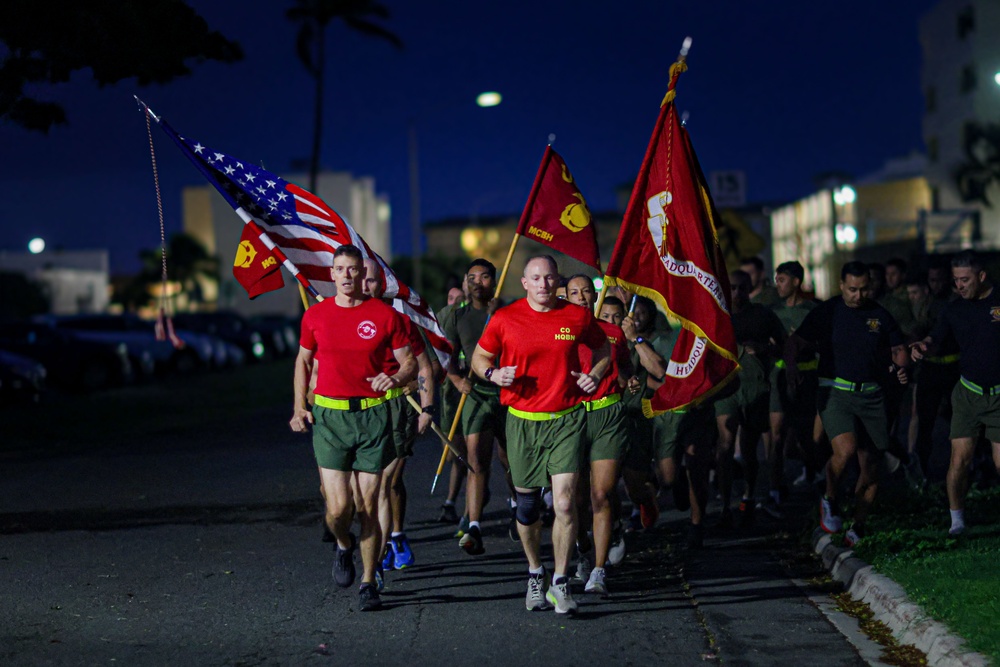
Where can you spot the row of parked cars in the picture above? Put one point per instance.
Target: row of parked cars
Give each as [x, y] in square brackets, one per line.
[94, 352]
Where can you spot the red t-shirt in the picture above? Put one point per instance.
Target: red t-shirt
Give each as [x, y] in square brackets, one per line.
[416, 342]
[619, 359]
[351, 344]
[544, 347]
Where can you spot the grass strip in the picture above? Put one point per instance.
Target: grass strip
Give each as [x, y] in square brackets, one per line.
[955, 580]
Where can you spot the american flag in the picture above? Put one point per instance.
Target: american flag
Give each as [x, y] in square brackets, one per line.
[301, 230]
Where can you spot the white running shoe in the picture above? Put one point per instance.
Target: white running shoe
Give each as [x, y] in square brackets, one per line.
[828, 520]
[560, 597]
[535, 598]
[616, 554]
[596, 583]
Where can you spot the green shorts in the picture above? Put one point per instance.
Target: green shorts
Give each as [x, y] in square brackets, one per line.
[973, 414]
[751, 401]
[674, 431]
[450, 396]
[850, 411]
[803, 403]
[483, 412]
[404, 426]
[639, 447]
[539, 449]
[349, 441]
[606, 433]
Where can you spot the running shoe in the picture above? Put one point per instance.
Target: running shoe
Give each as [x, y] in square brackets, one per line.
[404, 554]
[448, 514]
[370, 600]
[616, 554]
[559, 597]
[634, 524]
[854, 535]
[695, 536]
[649, 513]
[535, 598]
[584, 565]
[956, 530]
[343, 566]
[472, 542]
[828, 520]
[595, 584]
[463, 526]
[771, 506]
[390, 556]
[805, 479]
[746, 510]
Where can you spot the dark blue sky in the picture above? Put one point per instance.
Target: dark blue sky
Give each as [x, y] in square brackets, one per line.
[783, 90]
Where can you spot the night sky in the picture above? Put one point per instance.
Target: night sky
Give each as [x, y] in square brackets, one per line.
[783, 90]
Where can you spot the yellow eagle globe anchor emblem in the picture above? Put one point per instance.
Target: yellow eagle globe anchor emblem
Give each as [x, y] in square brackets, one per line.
[245, 253]
[576, 216]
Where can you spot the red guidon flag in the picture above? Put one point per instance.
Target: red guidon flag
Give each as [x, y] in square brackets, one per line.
[557, 215]
[255, 267]
[668, 250]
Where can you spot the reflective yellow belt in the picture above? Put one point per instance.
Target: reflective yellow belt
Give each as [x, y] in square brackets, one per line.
[947, 359]
[350, 404]
[590, 406]
[542, 416]
[802, 365]
[395, 392]
[976, 389]
[847, 385]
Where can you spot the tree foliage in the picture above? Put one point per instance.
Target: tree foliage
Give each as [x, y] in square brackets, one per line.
[21, 296]
[46, 41]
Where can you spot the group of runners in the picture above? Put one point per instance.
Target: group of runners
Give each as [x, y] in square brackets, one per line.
[553, 390]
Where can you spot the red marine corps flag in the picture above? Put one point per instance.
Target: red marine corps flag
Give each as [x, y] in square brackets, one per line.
[668, 250]
[556, 214]
[255, 267]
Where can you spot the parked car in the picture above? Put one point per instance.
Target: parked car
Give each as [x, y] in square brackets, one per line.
[139, 336]
[229, 326]
[70, 362]
[21, 378]
[278, 331]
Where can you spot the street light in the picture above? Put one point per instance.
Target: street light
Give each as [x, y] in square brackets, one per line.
[996, 77]
[36, 245]
[483, 100]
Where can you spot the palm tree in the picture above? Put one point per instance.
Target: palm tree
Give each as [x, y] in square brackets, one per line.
[315, 16]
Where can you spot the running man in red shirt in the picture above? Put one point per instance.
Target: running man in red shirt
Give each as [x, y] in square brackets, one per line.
[351, 337]
[536, 341]
[605, 437]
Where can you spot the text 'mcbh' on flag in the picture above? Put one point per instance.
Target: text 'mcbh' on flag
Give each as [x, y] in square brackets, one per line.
[668, 250]
[255, 267]
[300, 230]
[556, 213]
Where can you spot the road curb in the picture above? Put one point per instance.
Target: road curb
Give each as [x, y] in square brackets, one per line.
[907, 621]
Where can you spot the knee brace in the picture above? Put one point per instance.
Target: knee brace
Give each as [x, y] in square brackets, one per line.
[529, 507]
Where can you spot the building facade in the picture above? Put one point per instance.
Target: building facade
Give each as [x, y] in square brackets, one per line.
[75, 281]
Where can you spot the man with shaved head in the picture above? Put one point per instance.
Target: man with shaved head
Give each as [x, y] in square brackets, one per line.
[531, 350]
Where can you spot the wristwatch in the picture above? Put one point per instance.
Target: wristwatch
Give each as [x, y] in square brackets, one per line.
[639, 340]
[489, 374]
[427, 409]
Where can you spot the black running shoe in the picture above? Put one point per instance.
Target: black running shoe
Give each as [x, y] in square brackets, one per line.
[343, 566]
[370, 600]
[472, 542]
[448, 514]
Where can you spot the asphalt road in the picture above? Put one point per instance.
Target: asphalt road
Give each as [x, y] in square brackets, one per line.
[205, 550]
